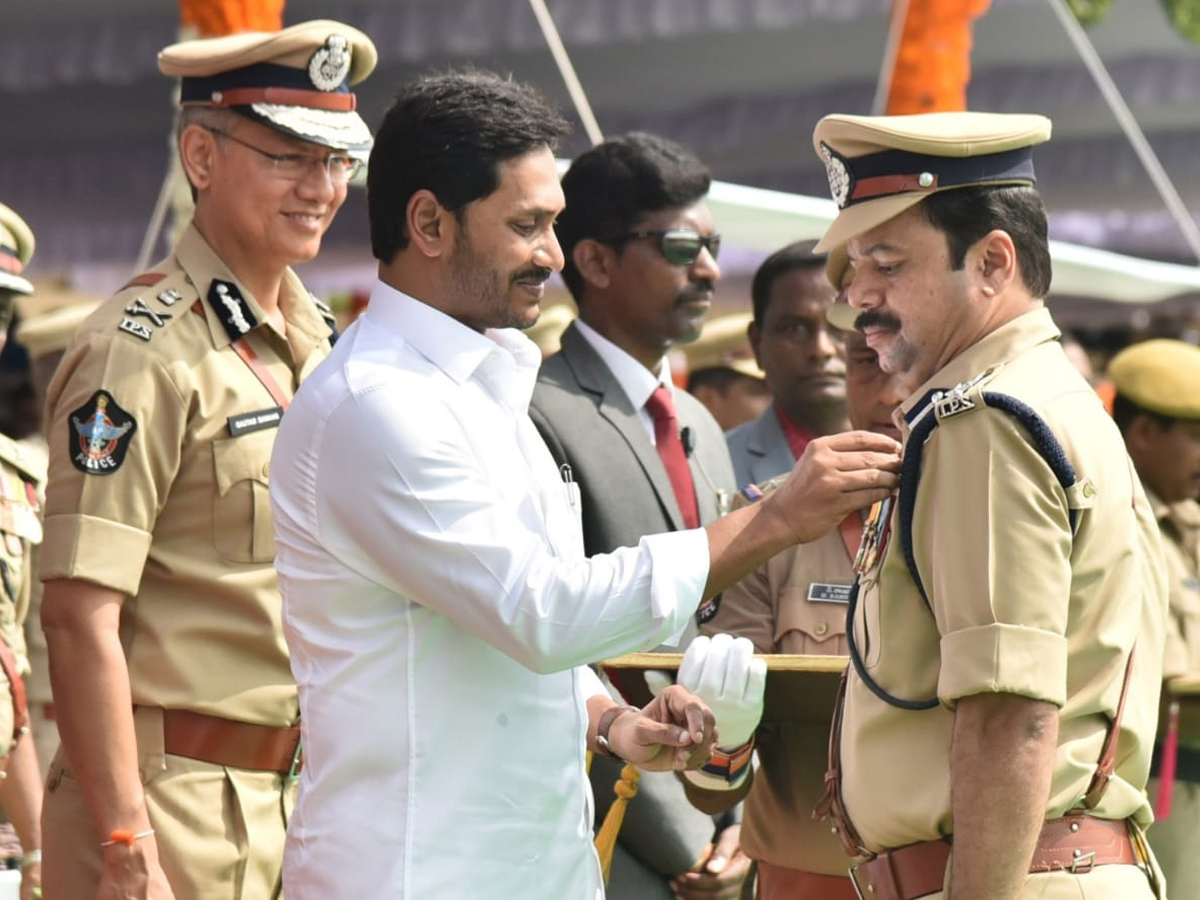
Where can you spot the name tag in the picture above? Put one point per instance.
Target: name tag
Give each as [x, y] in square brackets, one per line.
[255, 421]
[829, 593]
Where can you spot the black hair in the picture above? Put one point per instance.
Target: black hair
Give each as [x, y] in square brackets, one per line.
[720, 378]
[447, 133]
[965, 215]
[1125, 411]
[800, 255]
[609, 187]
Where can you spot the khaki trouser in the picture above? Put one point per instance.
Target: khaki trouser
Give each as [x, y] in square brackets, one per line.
[1175, 840]
[220, 832]
[45, 736]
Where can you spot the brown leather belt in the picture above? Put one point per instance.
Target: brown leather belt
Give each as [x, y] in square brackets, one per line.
[224, 742]
[1074, 843]
[782, 883]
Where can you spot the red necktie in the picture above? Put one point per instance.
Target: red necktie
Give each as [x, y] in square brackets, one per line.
[670, 449]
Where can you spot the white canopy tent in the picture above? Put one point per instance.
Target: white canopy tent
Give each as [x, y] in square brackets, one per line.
[740, 81]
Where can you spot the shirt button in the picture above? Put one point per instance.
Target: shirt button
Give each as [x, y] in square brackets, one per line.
[821, 629]
[266, 469]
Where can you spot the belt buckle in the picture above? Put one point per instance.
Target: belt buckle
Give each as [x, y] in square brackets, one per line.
[853, 872]
[1084, 860]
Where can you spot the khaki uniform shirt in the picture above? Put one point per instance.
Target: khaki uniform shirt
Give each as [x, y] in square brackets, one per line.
[1179, 524]
[20, 532]
[1019, 604]
[160, 441]
[37, 685]
[795, 603]
[1180, 527]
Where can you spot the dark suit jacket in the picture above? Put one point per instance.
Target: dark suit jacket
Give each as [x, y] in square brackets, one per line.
[759, 449]
[587, 421]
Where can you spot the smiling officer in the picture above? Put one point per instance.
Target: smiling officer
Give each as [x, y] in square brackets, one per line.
[172, 686]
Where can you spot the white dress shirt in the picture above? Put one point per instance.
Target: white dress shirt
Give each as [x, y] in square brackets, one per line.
[635, 380]
[440, 612]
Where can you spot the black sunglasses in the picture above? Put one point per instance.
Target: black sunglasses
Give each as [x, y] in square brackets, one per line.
[680, 246]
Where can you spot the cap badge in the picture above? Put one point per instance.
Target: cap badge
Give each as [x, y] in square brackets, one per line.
[839, 175]
[330, 65]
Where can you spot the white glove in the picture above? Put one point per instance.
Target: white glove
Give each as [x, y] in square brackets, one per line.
[723, 672]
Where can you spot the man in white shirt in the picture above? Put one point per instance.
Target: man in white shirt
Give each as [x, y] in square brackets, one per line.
[437, 601]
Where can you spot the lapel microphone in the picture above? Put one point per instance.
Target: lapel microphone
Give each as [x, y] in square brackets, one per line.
[688, 440]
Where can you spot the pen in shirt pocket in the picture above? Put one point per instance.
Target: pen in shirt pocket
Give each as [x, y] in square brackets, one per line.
[570, 487]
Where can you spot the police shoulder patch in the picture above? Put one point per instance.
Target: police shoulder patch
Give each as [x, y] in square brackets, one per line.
[708, 609]
[99, 435]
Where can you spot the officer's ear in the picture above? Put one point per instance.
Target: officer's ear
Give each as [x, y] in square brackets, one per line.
[198, 152]
[429, 224]
[594, 262]
[992, 263]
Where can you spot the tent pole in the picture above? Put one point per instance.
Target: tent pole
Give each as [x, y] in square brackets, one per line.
[887, 69]
[154, 229]
[1133, 131]
[567, 71]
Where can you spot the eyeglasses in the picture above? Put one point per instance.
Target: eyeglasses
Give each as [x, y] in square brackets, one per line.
[296, 166]
[680, 246]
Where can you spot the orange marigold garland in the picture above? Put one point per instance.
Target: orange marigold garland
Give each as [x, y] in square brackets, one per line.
[216, 18]
[933, 61]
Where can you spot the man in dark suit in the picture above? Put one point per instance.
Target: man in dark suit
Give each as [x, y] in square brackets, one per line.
[640, 249]
[803, 359]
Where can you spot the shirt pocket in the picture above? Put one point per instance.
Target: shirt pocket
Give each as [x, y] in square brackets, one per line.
[804, 626]
[242, 527]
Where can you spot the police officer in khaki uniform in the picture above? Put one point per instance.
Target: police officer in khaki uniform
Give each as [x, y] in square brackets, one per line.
[796, 603]
[1007, 627]
[1157, 408]
[48, 320]
[172, 687]
[20, 532]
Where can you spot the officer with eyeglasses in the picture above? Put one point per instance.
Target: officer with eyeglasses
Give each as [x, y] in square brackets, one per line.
[640, 249]
[172, 686]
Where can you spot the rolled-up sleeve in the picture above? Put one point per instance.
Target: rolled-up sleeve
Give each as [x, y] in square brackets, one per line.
[997, 571]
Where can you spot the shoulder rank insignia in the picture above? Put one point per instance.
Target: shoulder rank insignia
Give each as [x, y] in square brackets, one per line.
[100, 433]
[326, 312]
[957, 400]
[231, 308]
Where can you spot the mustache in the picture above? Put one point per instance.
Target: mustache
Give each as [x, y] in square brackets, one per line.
[874, 318]
[696, 290]
[535, 275]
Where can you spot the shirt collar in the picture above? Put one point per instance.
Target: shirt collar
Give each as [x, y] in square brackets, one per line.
[202, 267]
[1007, 342]
[635, 380]
[796, 435]
[454, 348]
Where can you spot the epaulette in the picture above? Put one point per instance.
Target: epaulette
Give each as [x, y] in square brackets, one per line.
[326, 312]
[157, 300]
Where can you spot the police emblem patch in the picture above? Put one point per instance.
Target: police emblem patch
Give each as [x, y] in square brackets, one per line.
[329, 66]
[99, 436]
[708, 609]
